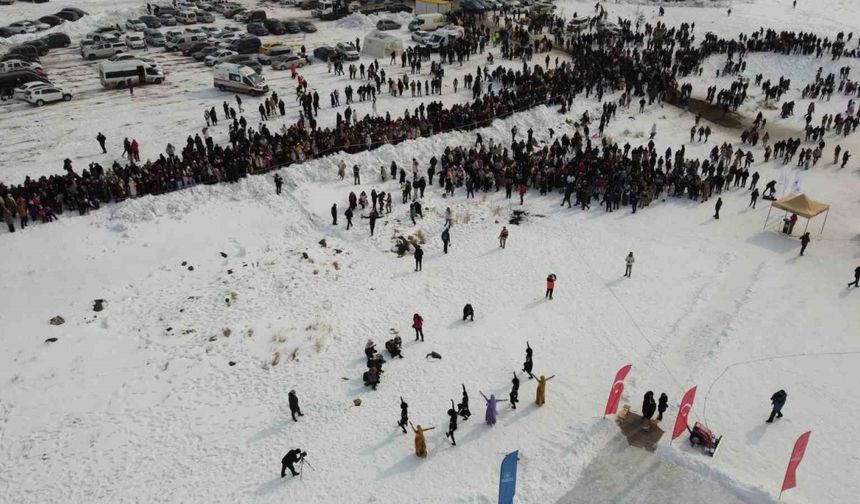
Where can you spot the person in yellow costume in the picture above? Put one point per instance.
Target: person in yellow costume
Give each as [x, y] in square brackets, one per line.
[420, 444]
[541, 389]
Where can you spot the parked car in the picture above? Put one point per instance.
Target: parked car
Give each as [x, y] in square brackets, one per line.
[77, 11]
[235, 11]
[231, 29]
[67, 15]
[135, 25]
[292, 26]
[257, 29]
[246, 45]
[22, 27]
[15, 65]
[197, 31]
[307, 27]
[46, 94]
[41, 47]
[11, 80]
[167, 20]
[7, 2]
[273, 53]
[399, 7]
[23, 88]
[347, 50]
[387, 24]
[309, 4]
[22, 52]
[219, 56]
[103, 50]
[274, 26]
[55, 40]
[205, 17]
[323, 53]
[134, 41]
[206, 51]
[40, 26]
[52, 20]
[193, 47]
[421, 36]
[255, 16]
[153, 37]
[6, 32]
[150, 21]
[248, 60]
[211, 31]
[287, 61]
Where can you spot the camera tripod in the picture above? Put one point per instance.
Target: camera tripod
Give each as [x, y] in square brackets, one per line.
[302, 467]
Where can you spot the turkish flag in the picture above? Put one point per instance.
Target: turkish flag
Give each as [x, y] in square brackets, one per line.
[616, 390]
[683, 412]
[790, 480]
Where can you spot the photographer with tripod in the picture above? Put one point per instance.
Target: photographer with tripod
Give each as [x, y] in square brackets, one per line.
[293, 457]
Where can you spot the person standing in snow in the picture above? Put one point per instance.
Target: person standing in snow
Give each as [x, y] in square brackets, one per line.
[492, 412]
[294, 405]
[528, 364]
[334, 214]
[289, 461]
[446, 239]
[662, 406]
[404, 415]
[356, 177]
[522, 192]
[100, 138]
[418, 325]
[279, 183]
[804, 242]
[419, 257]
[856, 277]
[463, 406]
[515, 391]
[239, 103]
[420, 442]
[550, 285]
[540, 394]
[753, 198]
[648, 407]
[452, 423]
[503, 237]
[717, 208]
[778, 401]
[653, 131]
[629, 260]
[468, 312]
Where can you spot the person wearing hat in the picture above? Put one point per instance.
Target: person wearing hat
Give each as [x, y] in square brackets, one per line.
[290, 459]
[294, 405]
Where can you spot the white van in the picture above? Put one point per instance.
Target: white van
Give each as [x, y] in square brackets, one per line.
[427, 22]
[117, 73]
[183, 41]
[243, 79]
[187, 17]
[102, 50]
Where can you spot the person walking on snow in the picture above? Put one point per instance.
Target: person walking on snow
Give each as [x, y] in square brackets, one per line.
[468, 312]
[856, 277]
[294, 405]
[778, 401]
[492, 413]
[374, 215]
[404, 415]
[717, 208]
[550, 285]
[279, 183]
[540, 394]
[804, 242]
[100, 138]
[662, 406]
[522, 192]
[418, 325]
[334, 214]
[753, 198]
[515, 391]
[629, 260]
[446, 239]
[503, 237]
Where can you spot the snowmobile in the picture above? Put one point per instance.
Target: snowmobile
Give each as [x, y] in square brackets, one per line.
[704, 437]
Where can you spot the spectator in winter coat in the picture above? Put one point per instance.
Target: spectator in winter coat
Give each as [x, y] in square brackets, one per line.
[804, 242]
[662, 406]
[550, 285]
[648, 406]
[522, 192]
[394, 347]
[290, 459]
[468, 312]
[629, 260]
[420, 443]
[371, 378]
[446, 239]
[404, 414]
[778, 401]
[334, 214]
[515, 391]
[717, 207]
[294, 405]
[492, 413]
[503, 237]
[540, 394]
[418, 325]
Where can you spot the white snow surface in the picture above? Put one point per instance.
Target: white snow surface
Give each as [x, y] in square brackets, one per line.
[138, 403]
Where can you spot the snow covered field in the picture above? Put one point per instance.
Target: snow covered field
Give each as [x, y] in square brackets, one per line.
[140, 402]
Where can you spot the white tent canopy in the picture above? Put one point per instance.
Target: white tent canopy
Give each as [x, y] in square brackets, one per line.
[380, 45]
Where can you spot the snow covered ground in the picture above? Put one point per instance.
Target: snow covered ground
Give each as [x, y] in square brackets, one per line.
[139, 402]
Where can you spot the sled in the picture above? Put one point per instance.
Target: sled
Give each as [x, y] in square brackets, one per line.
[704, 437]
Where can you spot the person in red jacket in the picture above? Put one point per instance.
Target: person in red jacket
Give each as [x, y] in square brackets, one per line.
[418, 325]
[550, 285]
[522, 192]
